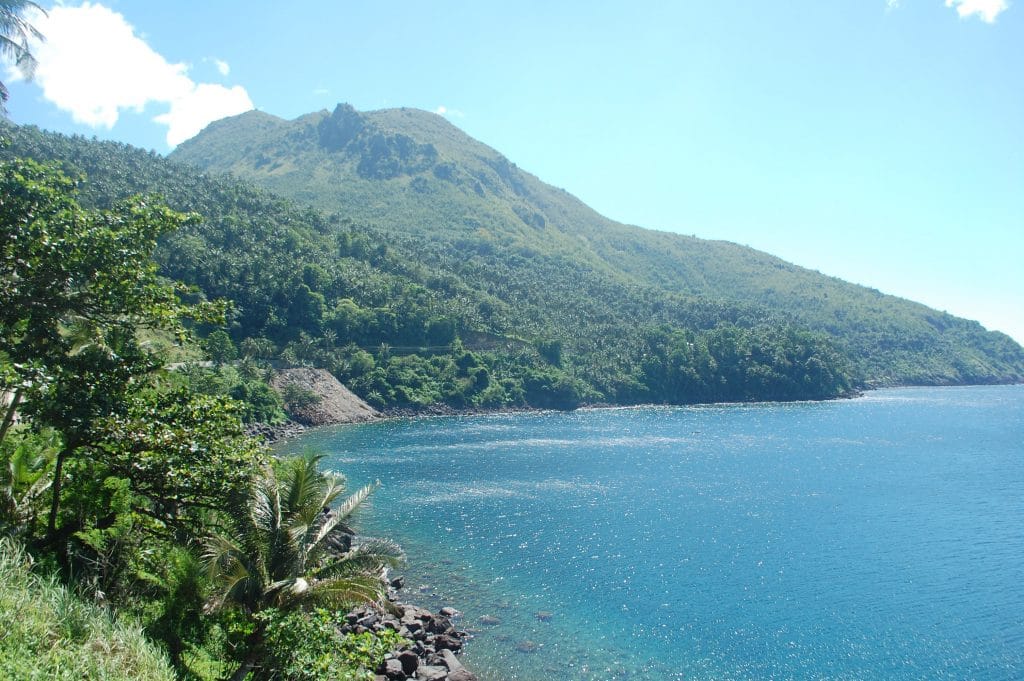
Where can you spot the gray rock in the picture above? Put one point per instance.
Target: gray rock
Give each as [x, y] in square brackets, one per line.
[527, 646]
[445, 642]
[394, 671]
[451, 661]
[462, 675]
[431, 673]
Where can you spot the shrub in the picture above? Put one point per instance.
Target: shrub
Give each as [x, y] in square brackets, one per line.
[308, 646]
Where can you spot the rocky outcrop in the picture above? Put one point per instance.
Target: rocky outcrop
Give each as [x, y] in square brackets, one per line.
[433, 642]
[314, 397]
[272, 433]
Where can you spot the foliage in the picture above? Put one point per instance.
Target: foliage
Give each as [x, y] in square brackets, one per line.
[282, 549]
[550, 304]
[25, 464]
[15, 33]
[297, 396]
[123, 465]
[308, 646]
[50, 633]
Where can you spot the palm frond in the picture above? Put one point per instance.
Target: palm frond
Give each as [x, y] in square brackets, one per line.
[349, 506]
[348, 591]
[372, 556]
[333, 524]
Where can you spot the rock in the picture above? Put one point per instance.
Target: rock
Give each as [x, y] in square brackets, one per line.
[330, 402]
[439, 625]
[544, 615]
[489, 620]
[451, 661]
[397, 583]
[393, 670]
[462, 675]
[410, 661]
[527, 646]
[431, 673]
[445, 642]
[450, 612]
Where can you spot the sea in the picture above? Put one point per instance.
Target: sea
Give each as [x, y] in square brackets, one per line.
[874, 538]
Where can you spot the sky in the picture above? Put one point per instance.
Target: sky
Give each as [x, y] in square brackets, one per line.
[879, 141]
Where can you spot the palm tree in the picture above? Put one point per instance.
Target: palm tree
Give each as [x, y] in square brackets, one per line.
[15, 33]
[286, 548]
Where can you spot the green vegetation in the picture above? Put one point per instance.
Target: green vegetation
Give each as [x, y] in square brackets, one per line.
[447, 294]
[480, 287]
[50, 633]
[448, 202]
[118, 469]
[281, 551]
[306, 646]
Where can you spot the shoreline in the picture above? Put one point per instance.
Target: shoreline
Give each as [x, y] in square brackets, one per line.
[292, 429]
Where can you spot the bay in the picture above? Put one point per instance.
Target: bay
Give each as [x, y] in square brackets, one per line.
[881, 537]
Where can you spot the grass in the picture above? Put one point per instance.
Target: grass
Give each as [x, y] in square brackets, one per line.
[50, 633]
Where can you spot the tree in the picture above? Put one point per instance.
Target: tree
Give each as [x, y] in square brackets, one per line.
[220, 348]
[15, 33]
[286, 548]
[76, 286]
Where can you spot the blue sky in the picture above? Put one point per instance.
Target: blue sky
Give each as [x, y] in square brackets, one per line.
[878, 141]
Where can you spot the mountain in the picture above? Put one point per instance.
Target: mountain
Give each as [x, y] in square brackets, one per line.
[462, 207]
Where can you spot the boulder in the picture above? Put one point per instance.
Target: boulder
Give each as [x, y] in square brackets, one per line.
[446, 642]
[431, 673]
[410, 661]
[393, 670]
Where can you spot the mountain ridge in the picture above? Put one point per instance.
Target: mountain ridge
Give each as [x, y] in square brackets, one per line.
[412, 315]
[413, 172]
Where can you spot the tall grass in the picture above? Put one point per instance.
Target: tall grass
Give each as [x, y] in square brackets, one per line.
[47, 632]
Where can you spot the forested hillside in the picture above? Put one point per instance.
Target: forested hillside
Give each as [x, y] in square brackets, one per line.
[413, 173]
[482, 317]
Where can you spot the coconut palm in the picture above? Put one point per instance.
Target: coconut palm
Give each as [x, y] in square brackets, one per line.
[15, 33]
[286, 548]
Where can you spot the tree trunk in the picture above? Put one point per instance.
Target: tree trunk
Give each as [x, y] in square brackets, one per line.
[11, 411]
[255, 642]
[55, 488]
[243, 671]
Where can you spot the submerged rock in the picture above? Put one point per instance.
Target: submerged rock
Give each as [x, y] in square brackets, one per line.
[527, 646]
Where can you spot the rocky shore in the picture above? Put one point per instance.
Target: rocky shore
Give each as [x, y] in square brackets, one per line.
[272, 433]
[434, 641]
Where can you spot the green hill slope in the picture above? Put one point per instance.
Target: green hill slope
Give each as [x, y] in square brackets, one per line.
[414, 174]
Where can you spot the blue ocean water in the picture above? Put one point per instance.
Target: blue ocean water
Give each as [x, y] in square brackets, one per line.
[881, 537]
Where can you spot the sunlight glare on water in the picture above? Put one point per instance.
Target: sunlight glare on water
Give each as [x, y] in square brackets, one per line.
[881, 537]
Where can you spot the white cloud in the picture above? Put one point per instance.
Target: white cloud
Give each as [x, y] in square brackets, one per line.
[222, 67]
[206, 103]
[94, 66]
[988, 10]
[449, 113]
[890, 5]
